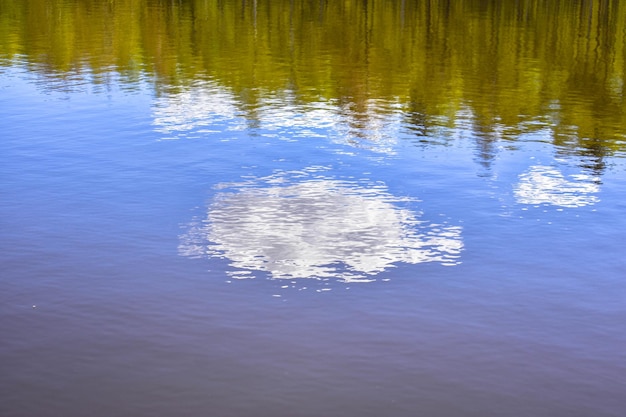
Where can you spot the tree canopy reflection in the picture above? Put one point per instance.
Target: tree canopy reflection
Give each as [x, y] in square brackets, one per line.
[305, 225]
[516, 67]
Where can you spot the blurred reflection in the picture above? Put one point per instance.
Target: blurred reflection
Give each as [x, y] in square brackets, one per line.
[518, 67]
[306, 225]
[208, 107]
[547, 185]
[194, 110]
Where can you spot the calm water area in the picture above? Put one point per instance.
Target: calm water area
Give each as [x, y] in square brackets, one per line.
[312, 208]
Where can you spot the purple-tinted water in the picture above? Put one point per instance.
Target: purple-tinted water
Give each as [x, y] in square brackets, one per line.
[161, 257]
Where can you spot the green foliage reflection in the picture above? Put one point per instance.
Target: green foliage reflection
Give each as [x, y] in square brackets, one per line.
[515, 66]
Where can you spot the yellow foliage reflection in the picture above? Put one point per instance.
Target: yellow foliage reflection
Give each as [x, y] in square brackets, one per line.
[517, 67]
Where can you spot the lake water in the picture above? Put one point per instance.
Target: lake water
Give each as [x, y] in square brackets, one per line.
[314, 208]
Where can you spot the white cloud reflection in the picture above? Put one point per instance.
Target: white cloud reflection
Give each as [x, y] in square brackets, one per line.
[210, 108]
[305, 225]
[198, 109]
[547, 185]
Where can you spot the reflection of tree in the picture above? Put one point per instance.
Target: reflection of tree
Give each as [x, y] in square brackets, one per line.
[505, 61]
[486, 145]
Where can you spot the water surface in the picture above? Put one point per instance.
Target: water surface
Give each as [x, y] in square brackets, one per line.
[312, 208]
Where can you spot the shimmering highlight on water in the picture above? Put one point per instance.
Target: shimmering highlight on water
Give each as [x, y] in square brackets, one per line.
[547, 185]
[305, 225]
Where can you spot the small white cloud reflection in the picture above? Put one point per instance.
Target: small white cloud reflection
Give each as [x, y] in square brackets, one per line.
[196, 110]
[547, 185]
[305, 225]
[207, 108]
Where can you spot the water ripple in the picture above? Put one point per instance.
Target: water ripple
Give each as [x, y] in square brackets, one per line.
[306, 225]
[547, 185]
